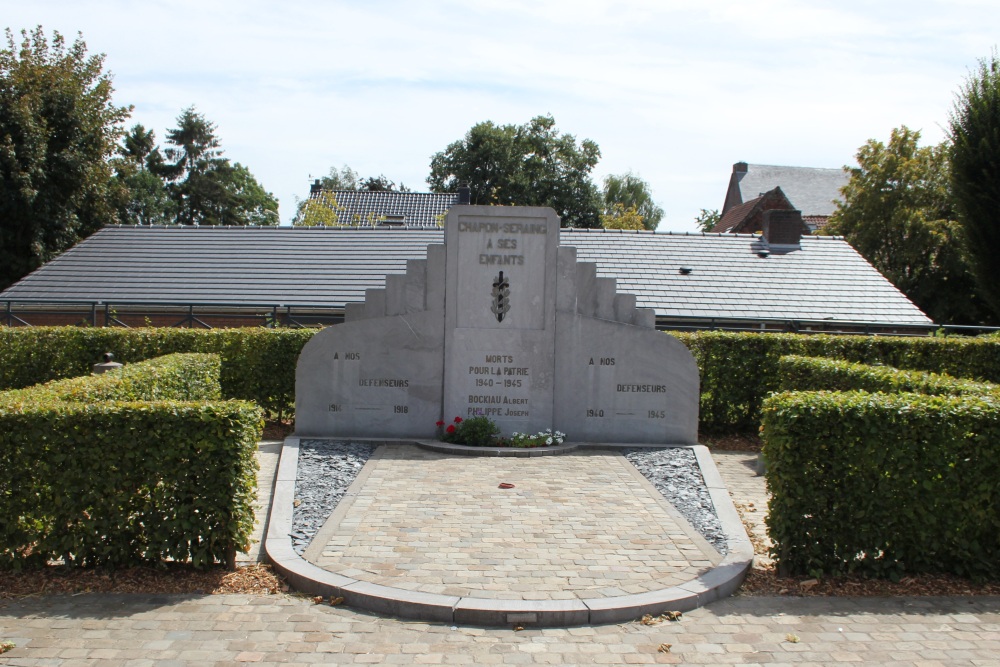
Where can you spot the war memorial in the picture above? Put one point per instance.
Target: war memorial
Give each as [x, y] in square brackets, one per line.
[502, 322]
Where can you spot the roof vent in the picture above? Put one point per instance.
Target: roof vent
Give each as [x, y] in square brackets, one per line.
[392, 221]
[763, 254]
[685, 270]
[783, 229]
[316, 187]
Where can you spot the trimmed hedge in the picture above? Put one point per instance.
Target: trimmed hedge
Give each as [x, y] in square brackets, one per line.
[819, 374]
[739, 370]
[177, 377]
[257, 364]
[884, 484]
[97, 481]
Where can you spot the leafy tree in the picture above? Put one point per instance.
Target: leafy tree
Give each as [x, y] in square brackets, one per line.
[58, 130]
[523, 165]
[205, 187]
[707, 219]
[897, 212]
[631, 192]
[319, 211]
[622, 218]
[143, 196]
[975, 136]
[347, 179]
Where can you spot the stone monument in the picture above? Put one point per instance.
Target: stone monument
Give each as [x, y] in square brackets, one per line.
[499, 321]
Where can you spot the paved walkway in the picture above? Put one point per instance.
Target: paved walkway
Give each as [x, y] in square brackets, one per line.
[582, 525]
[749, 493]
[117, 630]
[173, 630]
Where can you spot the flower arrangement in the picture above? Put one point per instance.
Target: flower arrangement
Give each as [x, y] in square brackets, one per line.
[541, 439]
[474, 431]
[483, 432]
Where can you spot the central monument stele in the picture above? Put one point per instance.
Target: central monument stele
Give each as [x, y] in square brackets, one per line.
[499, 321]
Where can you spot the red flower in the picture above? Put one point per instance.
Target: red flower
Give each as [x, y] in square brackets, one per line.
[458, 420]
[451, 428]
[440, 424]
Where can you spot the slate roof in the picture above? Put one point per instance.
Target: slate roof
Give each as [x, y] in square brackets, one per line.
[413, 209]
[826, 279]
[810, 190]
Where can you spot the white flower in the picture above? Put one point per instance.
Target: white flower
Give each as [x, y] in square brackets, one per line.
[548, 441]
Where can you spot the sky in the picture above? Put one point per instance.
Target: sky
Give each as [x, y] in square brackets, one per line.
[674, 91]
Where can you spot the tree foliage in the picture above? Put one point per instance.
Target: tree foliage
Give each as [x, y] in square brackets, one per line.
[523, 165]
[58, 130]
[897, 212]
[190, 182]
[205, 187]
[142, 196]
[975, 136]
[346, 178]
[319, 211]
[707, 219]
[623, 218]
[629, 191]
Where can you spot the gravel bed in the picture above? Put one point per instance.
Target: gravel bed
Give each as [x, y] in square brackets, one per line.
[674, 472]
[326, 469]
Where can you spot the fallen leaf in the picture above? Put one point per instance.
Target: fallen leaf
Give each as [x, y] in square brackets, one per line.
[808, 583]
[518, 628]
[665, 648]
[297, 502]
[792, 639]
[335, 601]
[318, 599]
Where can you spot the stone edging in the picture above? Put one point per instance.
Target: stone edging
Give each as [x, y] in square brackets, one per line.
[466, 450]
[715, 584]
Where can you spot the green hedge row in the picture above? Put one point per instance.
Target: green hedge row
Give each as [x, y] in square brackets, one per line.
[884, 484]
[177, 377]
[739, 370]
[105, 482]
[821, 374]
[257, 364]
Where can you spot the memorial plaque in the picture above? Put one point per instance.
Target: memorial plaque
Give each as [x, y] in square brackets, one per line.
[500, 321]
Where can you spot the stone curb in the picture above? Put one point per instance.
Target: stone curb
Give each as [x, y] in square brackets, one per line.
[305, 577]
[523, 452]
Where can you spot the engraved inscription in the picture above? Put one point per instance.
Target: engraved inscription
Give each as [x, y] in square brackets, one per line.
[498, 387]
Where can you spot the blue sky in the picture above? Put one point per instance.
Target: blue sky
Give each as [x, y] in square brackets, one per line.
[674, 91]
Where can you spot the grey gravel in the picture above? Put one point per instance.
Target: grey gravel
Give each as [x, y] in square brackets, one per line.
[326, 469]
[675, 473]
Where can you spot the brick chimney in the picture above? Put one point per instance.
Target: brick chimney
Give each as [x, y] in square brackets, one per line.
[740, 167]
[783, 229]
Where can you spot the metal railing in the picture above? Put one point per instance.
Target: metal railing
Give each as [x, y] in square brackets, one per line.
[212, 315]
[167, 314]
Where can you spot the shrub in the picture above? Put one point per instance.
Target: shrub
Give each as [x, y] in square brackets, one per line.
[257, 364]
[884, 484]
[738, 370]
[818, 374]
[474, 431]
[179, 377]
[100, 481]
